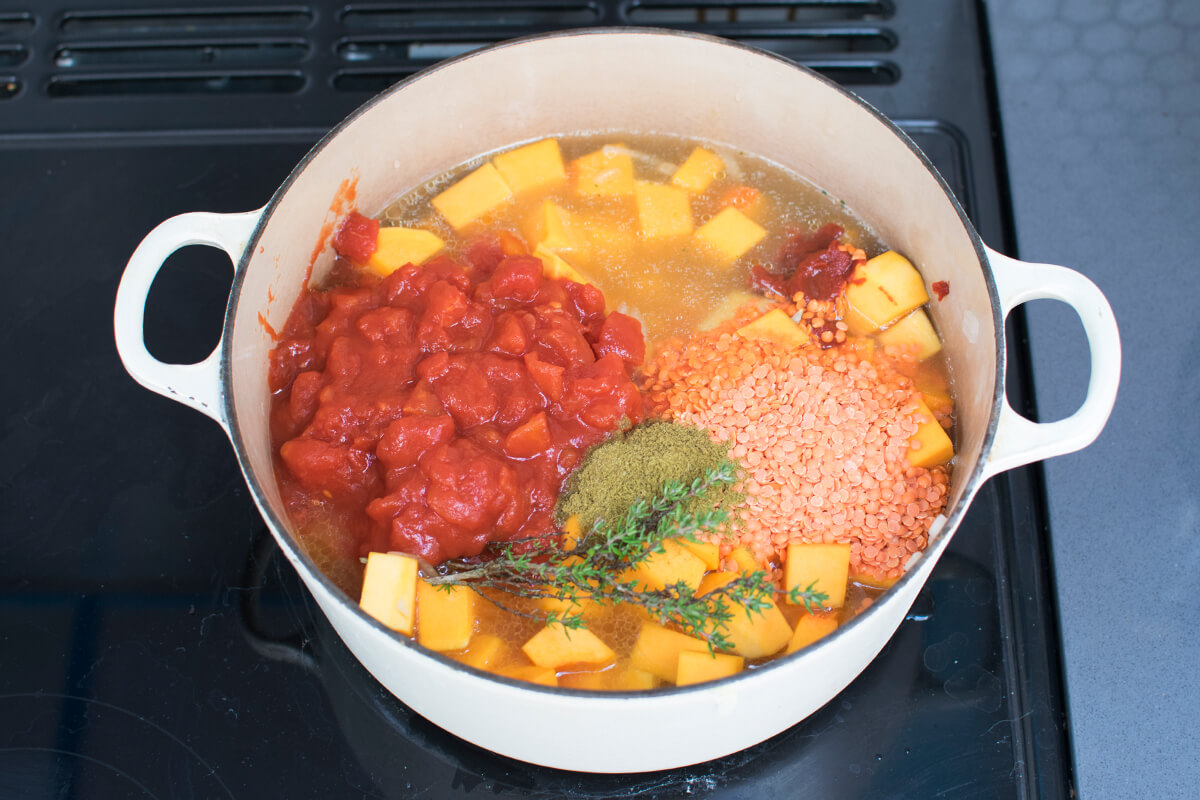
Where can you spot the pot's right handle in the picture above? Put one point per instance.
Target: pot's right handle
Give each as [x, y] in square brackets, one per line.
[1018, 440]
[195, 385]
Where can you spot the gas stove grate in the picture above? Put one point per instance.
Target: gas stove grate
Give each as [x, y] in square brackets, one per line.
[208, 67]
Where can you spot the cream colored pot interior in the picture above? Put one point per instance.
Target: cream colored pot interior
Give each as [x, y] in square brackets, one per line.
[630, 81]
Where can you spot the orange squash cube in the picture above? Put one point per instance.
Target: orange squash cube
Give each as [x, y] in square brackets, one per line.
[657, 650]
[708, 552]
[756, 634]
[552, 227]
[810, 628]
[605, 172]
[884, 289]
[473, 196]
[825, 565]
[399, 246]
[556, 647]
[776, 326]
[715, 580]
[555, 266]
[676, 563]
[530, 673]
[622, 677]
[534, 166]
[730, 234]
[701, 169]
[702, 667]
[664, 212]
[930, 445]
[445, 616]
[389, 592]
[484, 652]
[745, 560]
[914, 330]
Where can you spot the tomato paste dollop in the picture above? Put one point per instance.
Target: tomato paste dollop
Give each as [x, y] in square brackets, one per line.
[442, 407]
[809, 263]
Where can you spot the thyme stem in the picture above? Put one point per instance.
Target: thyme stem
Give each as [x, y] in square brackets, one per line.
[595, 567]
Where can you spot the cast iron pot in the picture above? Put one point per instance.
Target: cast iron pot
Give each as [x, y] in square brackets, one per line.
[619, 80]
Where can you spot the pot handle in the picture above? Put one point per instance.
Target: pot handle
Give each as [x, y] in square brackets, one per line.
[196, 385]
[1020, 441]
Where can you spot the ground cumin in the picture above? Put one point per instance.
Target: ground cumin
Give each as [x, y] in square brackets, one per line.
[636, 465]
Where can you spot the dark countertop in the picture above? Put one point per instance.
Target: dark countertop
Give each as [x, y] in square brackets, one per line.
[1101, 107]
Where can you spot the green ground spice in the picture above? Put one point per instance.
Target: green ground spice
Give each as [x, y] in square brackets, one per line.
[636, 465]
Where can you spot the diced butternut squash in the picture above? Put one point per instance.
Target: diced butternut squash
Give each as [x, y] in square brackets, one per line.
[701, 169]
[569, 606]
[810, 628]
[389, 592]
[862, 347]
[753, 634]
[730, 234]
[555, 266]
[473, 196]
[553, 228]
[400, 246]
[622, 677]
[559, 605]
[484, 652]
[776, 326]
[715, 580]
[728, 307]
[872, 579]
[531, 673]
[657, 650]
[915, 330]
[556, 647]
[745, 560]
[609, 238]
[675, 564]
[572, 531]
[938, 401]
[857, 324]
[757, 634]
[930, 445]
[606, 172]
[702, 667]
[825, 567]
[664, 212]
[885, 288]
[708, 552]
[445, 616]
[534, 166]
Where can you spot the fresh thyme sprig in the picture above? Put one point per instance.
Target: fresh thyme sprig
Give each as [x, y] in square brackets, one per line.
[594, 568]
[810, 597]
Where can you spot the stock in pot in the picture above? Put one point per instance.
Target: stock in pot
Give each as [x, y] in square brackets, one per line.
[619, 80]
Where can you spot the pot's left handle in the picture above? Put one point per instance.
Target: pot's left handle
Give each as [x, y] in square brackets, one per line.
[1018, 440]
[196, 385]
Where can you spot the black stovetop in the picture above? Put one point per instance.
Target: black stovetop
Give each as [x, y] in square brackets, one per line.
[151, 642]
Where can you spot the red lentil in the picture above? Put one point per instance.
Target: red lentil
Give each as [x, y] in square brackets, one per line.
[822, 435]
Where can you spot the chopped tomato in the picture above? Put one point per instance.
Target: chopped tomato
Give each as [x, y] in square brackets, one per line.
[358, 237]
[442, 407]
[743, 198]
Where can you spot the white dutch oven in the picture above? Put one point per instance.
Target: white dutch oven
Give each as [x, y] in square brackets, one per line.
[620, 80]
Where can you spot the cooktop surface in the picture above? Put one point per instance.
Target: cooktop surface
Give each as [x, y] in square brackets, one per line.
[152, 642]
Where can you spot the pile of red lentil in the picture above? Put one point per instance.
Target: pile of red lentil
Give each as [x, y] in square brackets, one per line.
[822, 435]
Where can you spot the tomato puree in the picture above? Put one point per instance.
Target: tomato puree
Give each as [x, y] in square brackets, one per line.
[442, 407]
